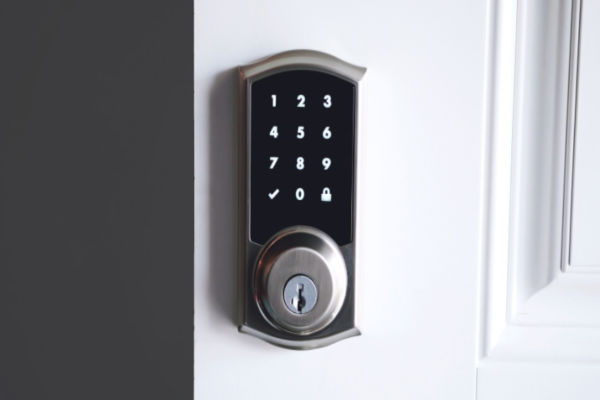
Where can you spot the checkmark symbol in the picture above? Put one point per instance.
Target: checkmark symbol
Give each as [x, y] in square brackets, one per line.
[274, 194]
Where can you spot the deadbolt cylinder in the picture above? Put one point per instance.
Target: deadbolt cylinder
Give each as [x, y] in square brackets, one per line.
[295, 252]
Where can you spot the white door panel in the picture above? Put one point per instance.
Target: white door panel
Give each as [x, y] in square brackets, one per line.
[585, 244]
[419, 200]
[539, 325]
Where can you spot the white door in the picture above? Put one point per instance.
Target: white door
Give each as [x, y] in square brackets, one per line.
[443, 79]
[540, 288]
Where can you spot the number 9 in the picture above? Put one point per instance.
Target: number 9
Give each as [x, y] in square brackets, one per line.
[326, 163]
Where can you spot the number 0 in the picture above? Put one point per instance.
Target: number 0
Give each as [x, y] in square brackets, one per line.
[299, 193]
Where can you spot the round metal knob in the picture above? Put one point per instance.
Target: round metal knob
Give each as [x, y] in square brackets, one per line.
[301, 280]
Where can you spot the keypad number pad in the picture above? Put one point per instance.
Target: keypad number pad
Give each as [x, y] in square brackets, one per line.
[302, 138]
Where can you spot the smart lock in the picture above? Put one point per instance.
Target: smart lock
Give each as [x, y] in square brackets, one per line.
[298, 157]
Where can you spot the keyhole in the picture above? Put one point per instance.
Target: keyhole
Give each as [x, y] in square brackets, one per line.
[299, 301]
[300, 294]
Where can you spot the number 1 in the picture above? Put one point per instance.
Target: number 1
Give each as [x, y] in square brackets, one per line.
[274, 100]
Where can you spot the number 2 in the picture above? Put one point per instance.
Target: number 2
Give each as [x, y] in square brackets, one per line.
[301, 99]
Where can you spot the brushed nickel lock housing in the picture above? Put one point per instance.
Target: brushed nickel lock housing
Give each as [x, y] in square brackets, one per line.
[298, 163]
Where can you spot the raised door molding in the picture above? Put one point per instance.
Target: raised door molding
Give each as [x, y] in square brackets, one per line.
[539, 318]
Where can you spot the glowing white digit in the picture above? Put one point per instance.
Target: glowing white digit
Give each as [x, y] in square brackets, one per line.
[274, 100]
[273, 162]
[299, 193]
[326, 133]
[274, 132]
[300, 163]
[326, 163]
[301, 99]
[300, 134]
[327, 101]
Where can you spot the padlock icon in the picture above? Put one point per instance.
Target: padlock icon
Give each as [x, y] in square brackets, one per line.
[326, 195]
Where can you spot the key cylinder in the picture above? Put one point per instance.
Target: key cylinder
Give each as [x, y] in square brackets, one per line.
[301, 280]
[300, 294]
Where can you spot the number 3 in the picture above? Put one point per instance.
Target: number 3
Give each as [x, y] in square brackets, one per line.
[327, 101]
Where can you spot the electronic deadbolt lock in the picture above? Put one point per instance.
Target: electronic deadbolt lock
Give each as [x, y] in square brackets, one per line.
[298, 198]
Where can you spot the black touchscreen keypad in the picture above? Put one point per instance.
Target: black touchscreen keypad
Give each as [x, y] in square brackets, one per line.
[302, 128]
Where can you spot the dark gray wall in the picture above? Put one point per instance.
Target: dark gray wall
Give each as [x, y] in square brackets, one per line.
[96, 199]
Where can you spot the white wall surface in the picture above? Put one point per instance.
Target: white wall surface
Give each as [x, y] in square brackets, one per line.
[419, 202]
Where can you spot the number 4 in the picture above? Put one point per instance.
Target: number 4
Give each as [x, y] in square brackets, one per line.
[274, 132]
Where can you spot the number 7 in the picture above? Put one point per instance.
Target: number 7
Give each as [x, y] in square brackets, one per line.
[273, 162]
